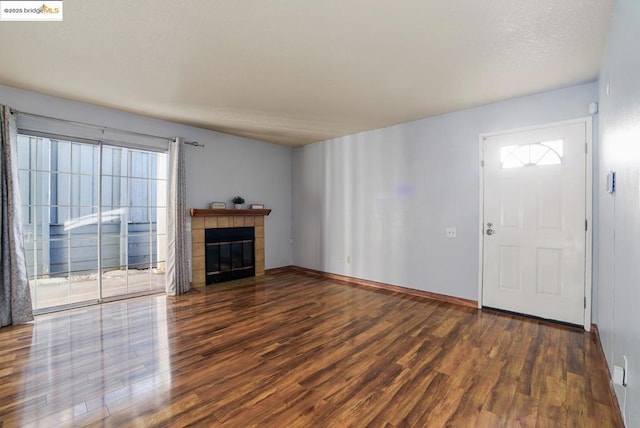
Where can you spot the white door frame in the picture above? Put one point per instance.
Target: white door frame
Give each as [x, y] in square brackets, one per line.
[588, 122]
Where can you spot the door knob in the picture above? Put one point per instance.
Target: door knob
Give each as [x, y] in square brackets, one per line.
[490, 230]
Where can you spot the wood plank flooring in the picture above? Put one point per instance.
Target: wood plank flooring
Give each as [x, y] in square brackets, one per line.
[293, 350]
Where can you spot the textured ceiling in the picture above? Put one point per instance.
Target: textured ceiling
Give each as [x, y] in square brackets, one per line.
[293, 72]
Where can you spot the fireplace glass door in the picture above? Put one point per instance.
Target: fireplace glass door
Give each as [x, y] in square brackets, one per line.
[229, 253]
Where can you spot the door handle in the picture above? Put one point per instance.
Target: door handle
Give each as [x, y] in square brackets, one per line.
[490, 230]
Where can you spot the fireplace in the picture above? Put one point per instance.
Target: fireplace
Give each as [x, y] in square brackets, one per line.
[229, 254]
[204, 220]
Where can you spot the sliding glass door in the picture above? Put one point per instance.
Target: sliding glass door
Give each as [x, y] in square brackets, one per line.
[94, 220]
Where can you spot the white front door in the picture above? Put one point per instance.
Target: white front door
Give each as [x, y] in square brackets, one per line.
[534, 222]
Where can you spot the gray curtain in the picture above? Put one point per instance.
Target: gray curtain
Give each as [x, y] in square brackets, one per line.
[15, 296]
[177, 267]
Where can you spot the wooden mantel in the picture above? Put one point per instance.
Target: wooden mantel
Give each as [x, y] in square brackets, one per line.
[199, 212]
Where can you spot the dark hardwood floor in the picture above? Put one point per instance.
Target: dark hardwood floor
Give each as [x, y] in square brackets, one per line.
[293, 350]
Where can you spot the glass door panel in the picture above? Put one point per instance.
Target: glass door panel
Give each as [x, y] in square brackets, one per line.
[58, 184]
[133, 186]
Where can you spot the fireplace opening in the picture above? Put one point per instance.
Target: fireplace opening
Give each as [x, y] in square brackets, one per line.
[229, 254]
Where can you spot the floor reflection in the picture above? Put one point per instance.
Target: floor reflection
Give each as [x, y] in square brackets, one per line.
[100, 357]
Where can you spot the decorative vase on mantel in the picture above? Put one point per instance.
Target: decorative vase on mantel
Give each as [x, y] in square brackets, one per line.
[238, 202]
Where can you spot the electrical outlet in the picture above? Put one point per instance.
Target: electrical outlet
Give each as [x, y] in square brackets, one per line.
[348, 259]
[618, 375]
[451, 232]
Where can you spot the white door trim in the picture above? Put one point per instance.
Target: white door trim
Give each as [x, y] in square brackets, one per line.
[588, 123]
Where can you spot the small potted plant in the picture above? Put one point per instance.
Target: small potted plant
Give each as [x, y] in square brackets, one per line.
[238, 202]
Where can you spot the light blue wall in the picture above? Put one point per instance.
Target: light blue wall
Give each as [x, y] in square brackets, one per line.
[383, 198]
[619, 243]
[226, 167]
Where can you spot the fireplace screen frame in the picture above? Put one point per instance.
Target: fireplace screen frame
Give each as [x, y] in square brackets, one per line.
[229, 254]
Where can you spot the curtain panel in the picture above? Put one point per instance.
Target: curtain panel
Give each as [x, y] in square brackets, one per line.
[177, 270]
[15, 296]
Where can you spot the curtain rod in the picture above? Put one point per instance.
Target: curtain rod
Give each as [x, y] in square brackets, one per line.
[105, 128]
[194, 144]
